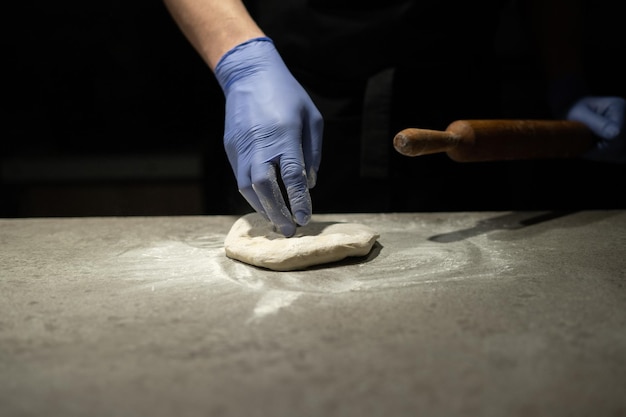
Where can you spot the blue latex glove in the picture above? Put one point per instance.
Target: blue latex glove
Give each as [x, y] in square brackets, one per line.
[605, 117]
[273, 131]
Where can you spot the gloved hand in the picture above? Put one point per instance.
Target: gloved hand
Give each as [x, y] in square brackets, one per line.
[273, 132]
[605, 117]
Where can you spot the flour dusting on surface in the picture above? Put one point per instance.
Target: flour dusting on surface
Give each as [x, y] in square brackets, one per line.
[274, 300]
[404, 256]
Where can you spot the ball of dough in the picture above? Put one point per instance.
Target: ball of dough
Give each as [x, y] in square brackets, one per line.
[252, 240]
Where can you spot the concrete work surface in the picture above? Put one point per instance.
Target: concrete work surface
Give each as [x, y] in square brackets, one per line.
[452, 314]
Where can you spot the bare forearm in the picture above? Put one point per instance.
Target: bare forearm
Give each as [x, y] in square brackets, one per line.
[213, 26]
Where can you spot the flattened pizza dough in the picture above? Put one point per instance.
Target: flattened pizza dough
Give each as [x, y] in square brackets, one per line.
[252, 240]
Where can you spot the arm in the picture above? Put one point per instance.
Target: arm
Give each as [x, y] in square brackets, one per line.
[557, 26]
[213, 26]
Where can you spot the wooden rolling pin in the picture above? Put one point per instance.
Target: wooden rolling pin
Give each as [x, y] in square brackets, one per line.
[494, 140]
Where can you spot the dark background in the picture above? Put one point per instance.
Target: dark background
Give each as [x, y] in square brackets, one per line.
[109, 111]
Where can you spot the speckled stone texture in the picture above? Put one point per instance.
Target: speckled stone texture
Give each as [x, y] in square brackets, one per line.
[451, 314]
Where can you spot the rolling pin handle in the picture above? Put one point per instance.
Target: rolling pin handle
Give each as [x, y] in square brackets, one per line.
[416, 142]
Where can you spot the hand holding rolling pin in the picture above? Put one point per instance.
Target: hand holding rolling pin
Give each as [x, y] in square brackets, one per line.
[589, 127]
[605, 118]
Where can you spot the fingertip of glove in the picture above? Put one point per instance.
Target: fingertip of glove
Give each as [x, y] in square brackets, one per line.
[302, 218]
[288, 230]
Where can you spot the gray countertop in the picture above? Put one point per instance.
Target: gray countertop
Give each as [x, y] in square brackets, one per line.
[452, 314]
